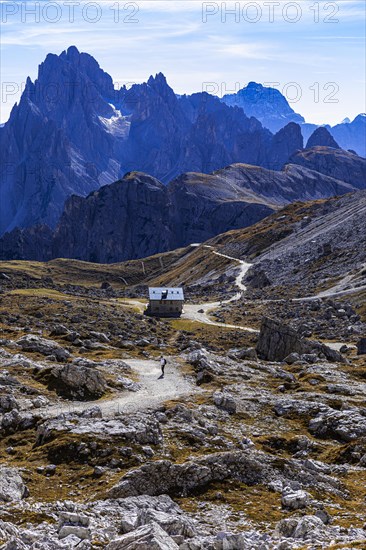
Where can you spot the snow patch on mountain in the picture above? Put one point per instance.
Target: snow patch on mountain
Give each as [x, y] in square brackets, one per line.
[118, 125]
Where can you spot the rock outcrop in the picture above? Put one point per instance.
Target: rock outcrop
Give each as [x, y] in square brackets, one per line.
[36, 344]
[77, 382]
[277, 341]
[248, 466]
[165, 477]
[322, 137]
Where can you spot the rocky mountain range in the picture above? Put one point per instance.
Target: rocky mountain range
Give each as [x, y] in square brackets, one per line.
[138, 215]
[73, 132]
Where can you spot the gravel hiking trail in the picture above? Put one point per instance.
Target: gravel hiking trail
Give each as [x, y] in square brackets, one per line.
[154, 391]
[200, 312]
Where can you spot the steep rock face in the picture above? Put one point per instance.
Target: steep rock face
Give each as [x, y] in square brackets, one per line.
[336, 163]
[138, 216]
[158, 129]
[284, 143]
[170, 135]
[54, 144]
[321, 137]
[129, 216]
[266, 104]
[21, 244]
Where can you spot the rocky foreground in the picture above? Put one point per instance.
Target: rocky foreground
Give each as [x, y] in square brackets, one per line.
[251, 441]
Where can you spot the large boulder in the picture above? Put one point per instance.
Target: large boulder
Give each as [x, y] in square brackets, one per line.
[277, 341]
[147, 537]
[342, 425]
[305, 527]
[225, 402]
[77, 382]
[294, 500]
[36, 344]
[166, 477]
[12, 487]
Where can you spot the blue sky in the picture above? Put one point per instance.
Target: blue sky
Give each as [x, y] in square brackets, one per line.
[313, 51]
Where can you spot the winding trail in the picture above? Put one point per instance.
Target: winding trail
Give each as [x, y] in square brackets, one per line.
[154, 391]
[200, 312]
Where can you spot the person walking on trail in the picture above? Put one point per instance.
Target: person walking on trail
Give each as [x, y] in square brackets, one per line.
[162, 364]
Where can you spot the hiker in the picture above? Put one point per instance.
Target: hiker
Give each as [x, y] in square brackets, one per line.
[162, 364]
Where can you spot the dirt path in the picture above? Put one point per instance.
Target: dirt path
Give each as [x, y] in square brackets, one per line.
[342, 288]
[154, 390]
[200, 312]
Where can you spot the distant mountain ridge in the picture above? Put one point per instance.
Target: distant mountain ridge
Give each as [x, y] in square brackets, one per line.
[272, 109]
[138, 216]
[266, 104]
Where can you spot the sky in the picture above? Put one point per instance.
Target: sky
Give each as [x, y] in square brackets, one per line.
[312, 51]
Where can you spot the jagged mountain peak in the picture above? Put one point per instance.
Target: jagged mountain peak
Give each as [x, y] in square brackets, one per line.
[73, 73]
[360, 118]
[160, 86]
[71, 53]
[261, 92]
[253, 84]
[158, 79]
